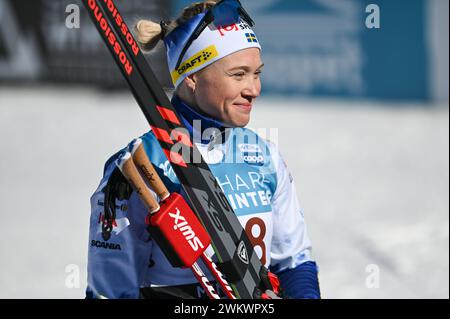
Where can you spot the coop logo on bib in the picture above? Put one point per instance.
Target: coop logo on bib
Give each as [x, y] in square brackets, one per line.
[251, 154]
[254, 159]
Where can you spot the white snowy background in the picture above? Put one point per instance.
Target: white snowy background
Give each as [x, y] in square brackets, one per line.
[373, 180]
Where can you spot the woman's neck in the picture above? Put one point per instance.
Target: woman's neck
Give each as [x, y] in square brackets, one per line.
[183, 94]
[200, 126]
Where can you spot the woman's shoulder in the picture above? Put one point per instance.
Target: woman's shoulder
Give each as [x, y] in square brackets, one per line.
[149, 139]
[150, 144]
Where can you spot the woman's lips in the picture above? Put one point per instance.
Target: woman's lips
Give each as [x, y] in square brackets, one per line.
[244, 106]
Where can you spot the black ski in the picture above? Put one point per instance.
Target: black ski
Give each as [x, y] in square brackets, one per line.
[237, 258]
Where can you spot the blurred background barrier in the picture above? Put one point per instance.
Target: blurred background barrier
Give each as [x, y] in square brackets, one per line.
[337, 48]
[40, 42]
[391, 50]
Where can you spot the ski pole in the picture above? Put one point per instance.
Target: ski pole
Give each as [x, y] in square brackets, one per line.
[147, 169]
[184, 256]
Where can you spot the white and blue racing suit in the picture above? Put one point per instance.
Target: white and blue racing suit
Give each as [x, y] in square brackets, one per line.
[259, 187]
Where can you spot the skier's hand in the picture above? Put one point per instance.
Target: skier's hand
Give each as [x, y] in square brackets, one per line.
[270, 287]
[116, 188]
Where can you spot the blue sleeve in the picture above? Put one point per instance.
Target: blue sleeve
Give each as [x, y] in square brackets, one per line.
[117, 266]
[301, 282]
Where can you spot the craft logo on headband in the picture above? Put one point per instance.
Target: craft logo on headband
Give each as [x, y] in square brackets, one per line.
[195, 62]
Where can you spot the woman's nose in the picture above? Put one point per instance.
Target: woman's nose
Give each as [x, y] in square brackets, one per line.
[252, 88]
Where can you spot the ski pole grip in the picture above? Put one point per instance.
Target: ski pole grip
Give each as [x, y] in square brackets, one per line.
[147, 169]
[129, 170]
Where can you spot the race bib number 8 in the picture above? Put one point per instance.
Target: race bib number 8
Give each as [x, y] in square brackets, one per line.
[257, 241]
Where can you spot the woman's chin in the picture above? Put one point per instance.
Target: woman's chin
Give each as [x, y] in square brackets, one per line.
[240, 120]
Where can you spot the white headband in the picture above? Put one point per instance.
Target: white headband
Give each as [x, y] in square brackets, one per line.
[213, 44]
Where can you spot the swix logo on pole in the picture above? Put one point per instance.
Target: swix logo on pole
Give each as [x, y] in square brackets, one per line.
[183, 226]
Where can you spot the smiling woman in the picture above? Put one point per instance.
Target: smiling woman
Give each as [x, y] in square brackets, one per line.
[239, 73]
[209, 59]
[214, 58]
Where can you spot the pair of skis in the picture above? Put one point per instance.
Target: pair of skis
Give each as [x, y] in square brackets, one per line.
[237, 258]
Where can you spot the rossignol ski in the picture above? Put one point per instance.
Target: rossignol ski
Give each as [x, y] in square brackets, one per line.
[237, 258]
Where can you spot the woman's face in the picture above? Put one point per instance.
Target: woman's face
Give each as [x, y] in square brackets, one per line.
[227, 89]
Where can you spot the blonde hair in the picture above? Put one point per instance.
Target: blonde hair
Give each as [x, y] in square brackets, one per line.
[149, 33]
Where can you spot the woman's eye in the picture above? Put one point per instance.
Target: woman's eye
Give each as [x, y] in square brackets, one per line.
[257, 74]
[241, 74]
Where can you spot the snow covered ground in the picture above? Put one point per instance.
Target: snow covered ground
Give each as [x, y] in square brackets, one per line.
[374, 182]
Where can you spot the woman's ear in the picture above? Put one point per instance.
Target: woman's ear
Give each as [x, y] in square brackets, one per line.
[191, 82]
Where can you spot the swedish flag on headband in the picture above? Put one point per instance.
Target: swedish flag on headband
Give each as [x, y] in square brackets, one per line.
[251, 37]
